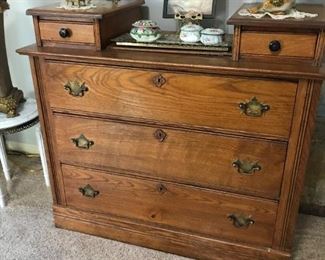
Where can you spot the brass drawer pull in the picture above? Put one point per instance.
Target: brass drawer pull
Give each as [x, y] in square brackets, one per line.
[159, 81]
[88, 191]
[160, 135]
[161, 188]
[75, 88]
[246, 167]
[275, 46]
[241, 221]
[254, 108]
[65, 33]
[82, 142]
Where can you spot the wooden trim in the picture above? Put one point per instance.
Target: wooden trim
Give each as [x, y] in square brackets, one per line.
[44, 111]
[236, 43]
[37, 31]
[277, 59]
[98, 42]
[297, 157]
[320, 49]
[35, 68]
[155, 237]
[174, 62]
[56, 44]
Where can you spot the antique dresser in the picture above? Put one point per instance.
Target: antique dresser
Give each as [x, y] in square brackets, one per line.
[198, 155]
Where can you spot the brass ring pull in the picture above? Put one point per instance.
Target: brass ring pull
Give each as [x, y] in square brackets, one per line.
[75, 88]
[246, 167]
[160, 135]
[88, 191]
[241, 221]
[254, 108]
[159, 81]
[82, 142]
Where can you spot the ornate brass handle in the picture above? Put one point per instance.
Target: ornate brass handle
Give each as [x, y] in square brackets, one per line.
[82, 142]
[246, 167]
[89, 191]
[75, 88]
[254, 108]
[159, 81]
[241, 221]
[160, 135]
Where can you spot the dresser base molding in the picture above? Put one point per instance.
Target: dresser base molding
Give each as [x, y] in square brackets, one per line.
[159, 238]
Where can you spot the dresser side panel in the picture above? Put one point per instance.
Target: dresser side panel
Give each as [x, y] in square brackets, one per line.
[297, 157]
[41, 106]
[47, 128]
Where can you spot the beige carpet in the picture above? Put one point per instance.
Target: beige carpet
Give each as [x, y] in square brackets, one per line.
[27, 232]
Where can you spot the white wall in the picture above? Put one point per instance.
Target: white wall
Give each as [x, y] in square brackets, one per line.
[19, 32]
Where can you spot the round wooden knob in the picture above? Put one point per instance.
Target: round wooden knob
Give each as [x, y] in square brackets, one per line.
[64, 33]
[275, 46]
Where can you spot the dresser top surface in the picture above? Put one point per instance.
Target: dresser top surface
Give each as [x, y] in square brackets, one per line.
[102, 8]
[306, 23]
[131, 57]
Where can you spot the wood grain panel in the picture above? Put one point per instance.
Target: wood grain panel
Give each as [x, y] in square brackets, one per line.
[189, 209]
[80, 33]
[298, 154]
[292, 45]
[196, 158]
[153, 236]
[185, 99]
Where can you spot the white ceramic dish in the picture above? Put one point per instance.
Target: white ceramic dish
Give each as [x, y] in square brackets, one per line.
[212, 36]
[145, 31]
[190, 33]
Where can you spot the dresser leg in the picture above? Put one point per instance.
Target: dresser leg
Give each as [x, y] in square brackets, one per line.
[3, 159]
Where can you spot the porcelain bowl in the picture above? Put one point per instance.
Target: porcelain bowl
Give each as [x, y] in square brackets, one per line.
[145, 31]
[190, 33]
[212, 36]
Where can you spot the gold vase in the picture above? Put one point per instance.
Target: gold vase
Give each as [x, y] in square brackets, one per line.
[10, 97]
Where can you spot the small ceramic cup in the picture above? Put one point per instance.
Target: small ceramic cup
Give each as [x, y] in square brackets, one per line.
[212, 36]
[145, 31]
[190, 33]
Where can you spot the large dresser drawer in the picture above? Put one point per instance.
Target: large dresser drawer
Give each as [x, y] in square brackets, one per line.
[236, 164]
[177, 206]
[237, 104]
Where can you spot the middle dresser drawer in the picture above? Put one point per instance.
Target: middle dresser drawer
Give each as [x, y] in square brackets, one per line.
[237, 104]
[241, 165]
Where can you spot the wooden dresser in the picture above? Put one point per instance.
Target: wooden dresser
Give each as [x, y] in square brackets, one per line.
[198, 155]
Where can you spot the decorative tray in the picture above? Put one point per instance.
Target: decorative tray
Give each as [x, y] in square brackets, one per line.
[171, 41]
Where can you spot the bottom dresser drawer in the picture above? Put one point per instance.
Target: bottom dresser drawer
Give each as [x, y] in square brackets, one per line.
[188, 209]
